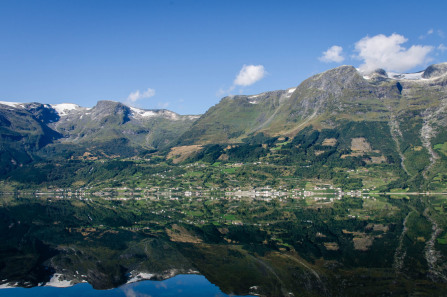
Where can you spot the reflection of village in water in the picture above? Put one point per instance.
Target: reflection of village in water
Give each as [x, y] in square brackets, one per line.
[264, 241]
[324, 193]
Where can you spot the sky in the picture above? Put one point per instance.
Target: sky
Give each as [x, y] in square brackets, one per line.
[186, 55]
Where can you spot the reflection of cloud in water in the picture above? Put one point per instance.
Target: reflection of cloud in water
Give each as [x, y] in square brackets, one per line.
[161, 285]
[129, 292]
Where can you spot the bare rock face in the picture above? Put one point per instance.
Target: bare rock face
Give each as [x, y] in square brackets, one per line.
[42, 112]
[435, 70]
[381, 72]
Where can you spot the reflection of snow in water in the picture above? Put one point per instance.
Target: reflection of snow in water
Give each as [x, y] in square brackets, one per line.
[139, 277]
[433, 256]
[8, 286]
[400, 254]
[58, 281]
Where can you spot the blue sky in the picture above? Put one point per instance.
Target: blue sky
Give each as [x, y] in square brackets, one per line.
[186, 55]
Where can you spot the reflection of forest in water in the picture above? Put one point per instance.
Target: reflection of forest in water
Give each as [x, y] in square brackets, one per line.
[272, 248]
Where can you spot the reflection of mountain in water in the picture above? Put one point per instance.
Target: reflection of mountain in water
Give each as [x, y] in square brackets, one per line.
[107, 244]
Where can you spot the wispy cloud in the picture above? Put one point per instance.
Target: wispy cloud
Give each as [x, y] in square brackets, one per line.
[130, 292]
[387, 52]
[222, 92]
[249, 74]
[442, 47]
[163, 105]
[137, 95]
[433, 32]
[333, 54]
[428, 33]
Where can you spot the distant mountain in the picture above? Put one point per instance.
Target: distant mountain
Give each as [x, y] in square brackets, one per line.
[109, 129]
[23, 131]
[108, 120]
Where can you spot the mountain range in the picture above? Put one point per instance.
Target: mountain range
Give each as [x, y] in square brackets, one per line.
[108, 130]
[380, 118]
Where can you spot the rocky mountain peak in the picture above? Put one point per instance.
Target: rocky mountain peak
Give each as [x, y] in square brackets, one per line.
[106, 109]
[43, 112]
[435, 70]
[380, 72]
[339, 73]
[334, 80]
[110, 106]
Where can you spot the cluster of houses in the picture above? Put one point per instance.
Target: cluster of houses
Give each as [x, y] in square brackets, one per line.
[320, 193]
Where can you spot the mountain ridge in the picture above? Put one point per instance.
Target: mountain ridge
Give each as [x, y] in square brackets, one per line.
[340, 117]
[312, 97]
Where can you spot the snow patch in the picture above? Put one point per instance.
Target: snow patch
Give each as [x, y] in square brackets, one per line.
[12, 104]
[8, 286]
[57, 281]
[399, 76]
[409, 76]
[64, 109]
[254, 96]
[289, 93]
[171, 115]
[253, 102]
[142, 113]
[139, 276]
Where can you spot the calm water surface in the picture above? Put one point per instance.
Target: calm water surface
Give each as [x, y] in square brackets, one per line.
[180, 285]
[354, 246]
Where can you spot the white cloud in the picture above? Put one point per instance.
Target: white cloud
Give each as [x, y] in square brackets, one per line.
[442, 47]
[249, 74]
[386, 52]
[333, 54]
[137, 95]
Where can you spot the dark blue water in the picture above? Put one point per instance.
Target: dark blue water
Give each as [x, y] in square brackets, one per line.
[180, 285]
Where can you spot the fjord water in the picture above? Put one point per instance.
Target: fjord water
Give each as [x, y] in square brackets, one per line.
[180, 285]
[311, 246]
